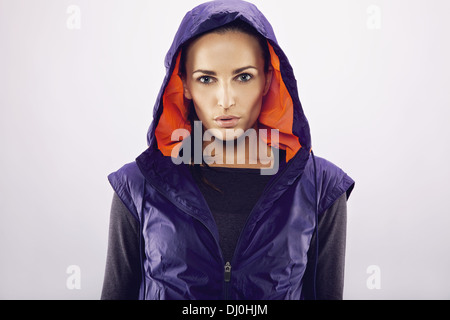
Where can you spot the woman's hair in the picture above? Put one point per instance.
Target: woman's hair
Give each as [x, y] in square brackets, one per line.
[236, 26]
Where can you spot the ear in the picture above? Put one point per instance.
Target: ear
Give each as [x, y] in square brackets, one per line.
[187, 93]
[268, 80]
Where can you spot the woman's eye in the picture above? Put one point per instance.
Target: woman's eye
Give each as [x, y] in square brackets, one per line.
[205, 80]
[244, 77]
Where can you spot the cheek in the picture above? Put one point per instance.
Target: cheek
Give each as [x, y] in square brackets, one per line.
[203, 100]
[204, 111]
[251, 101]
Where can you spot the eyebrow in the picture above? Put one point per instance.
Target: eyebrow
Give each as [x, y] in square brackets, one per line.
[213, 73]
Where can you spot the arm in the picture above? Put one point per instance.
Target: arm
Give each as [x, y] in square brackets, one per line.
[331, 261]
[122, 273]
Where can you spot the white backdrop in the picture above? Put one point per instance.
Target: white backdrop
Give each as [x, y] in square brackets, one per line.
[78, 81]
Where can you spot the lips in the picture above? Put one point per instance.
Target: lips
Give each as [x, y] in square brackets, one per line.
[227, 121]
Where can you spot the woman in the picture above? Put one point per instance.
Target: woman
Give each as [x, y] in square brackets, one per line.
[228, 201]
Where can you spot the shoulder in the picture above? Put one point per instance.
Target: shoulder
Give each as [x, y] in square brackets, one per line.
[332, 181]
[128, 173]
[128, 183]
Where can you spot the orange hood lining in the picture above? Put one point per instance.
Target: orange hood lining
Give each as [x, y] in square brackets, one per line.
[276, 112]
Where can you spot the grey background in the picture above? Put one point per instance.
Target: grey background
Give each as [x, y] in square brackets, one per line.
[75, 105]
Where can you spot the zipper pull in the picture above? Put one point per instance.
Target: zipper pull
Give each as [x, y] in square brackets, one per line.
[227, 272]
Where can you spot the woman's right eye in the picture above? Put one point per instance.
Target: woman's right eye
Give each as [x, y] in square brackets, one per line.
[205, 79]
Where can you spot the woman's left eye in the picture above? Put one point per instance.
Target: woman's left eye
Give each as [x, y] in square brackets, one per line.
[244, 77]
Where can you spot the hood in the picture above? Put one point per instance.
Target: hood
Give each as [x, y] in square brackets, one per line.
[281, 107]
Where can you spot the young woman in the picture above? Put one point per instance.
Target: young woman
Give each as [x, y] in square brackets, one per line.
[228, 201]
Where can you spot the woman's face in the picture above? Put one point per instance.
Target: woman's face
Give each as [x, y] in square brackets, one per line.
[225, 79]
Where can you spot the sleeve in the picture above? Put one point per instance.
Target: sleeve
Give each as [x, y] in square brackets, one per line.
[122, 272]
[332, 230]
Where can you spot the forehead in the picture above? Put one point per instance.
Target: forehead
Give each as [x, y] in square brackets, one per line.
[222, 50]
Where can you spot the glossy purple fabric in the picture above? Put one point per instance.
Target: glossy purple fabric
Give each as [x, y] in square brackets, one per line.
[181, 257]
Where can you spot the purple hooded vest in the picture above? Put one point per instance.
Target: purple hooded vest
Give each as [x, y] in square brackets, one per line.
[181, 257]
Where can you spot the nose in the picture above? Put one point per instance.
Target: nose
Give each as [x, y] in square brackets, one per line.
[225, 97]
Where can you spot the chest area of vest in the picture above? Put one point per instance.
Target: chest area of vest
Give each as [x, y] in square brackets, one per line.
[183, 259]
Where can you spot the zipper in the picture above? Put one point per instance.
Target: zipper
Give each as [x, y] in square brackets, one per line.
[227, 279]
[227, 273]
